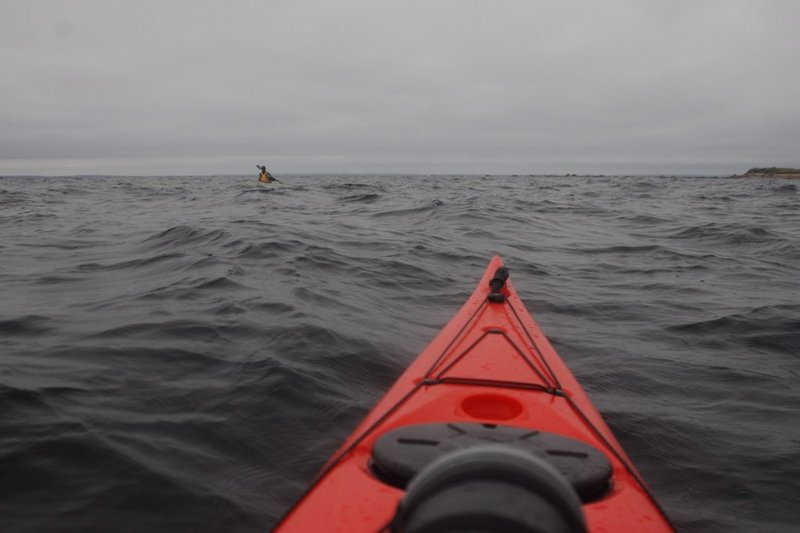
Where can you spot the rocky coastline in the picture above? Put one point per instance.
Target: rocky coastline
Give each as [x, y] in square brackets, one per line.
[772, 172]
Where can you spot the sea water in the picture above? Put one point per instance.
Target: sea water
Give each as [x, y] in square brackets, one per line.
[184, 353]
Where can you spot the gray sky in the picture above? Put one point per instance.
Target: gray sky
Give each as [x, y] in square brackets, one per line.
[431, 86]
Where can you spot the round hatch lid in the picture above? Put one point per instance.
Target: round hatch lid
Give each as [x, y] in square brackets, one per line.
[401, 453]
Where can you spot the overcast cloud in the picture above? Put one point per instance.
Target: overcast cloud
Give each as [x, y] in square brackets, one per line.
[431, 86]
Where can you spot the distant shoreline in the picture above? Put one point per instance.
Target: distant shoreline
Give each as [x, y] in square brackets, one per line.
[772, 172]
[778, 173]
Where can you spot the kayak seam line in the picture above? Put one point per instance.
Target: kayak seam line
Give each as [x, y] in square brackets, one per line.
[456, 337]
[558, 391]
[531, 363]
[536, 347]
[621, 458]
[461, 355]
[333, 462]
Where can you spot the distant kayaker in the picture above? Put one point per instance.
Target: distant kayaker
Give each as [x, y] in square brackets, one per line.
[264, 176]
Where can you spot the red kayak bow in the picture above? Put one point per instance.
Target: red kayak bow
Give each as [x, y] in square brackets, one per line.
[487, 430]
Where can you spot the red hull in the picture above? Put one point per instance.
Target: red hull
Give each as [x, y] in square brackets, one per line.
[490, 364]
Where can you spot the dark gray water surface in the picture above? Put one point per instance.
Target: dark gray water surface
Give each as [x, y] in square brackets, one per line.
[182, 354]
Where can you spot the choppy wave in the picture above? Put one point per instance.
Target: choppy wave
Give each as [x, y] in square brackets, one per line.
[184, 353]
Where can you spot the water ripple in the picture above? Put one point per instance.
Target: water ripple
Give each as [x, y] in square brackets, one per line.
[177, 348]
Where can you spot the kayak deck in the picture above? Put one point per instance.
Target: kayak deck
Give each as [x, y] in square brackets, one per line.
[490, 366]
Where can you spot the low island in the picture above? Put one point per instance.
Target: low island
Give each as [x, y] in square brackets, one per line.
[772, 172]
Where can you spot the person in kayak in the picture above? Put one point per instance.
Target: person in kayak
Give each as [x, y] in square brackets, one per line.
[264, 176]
